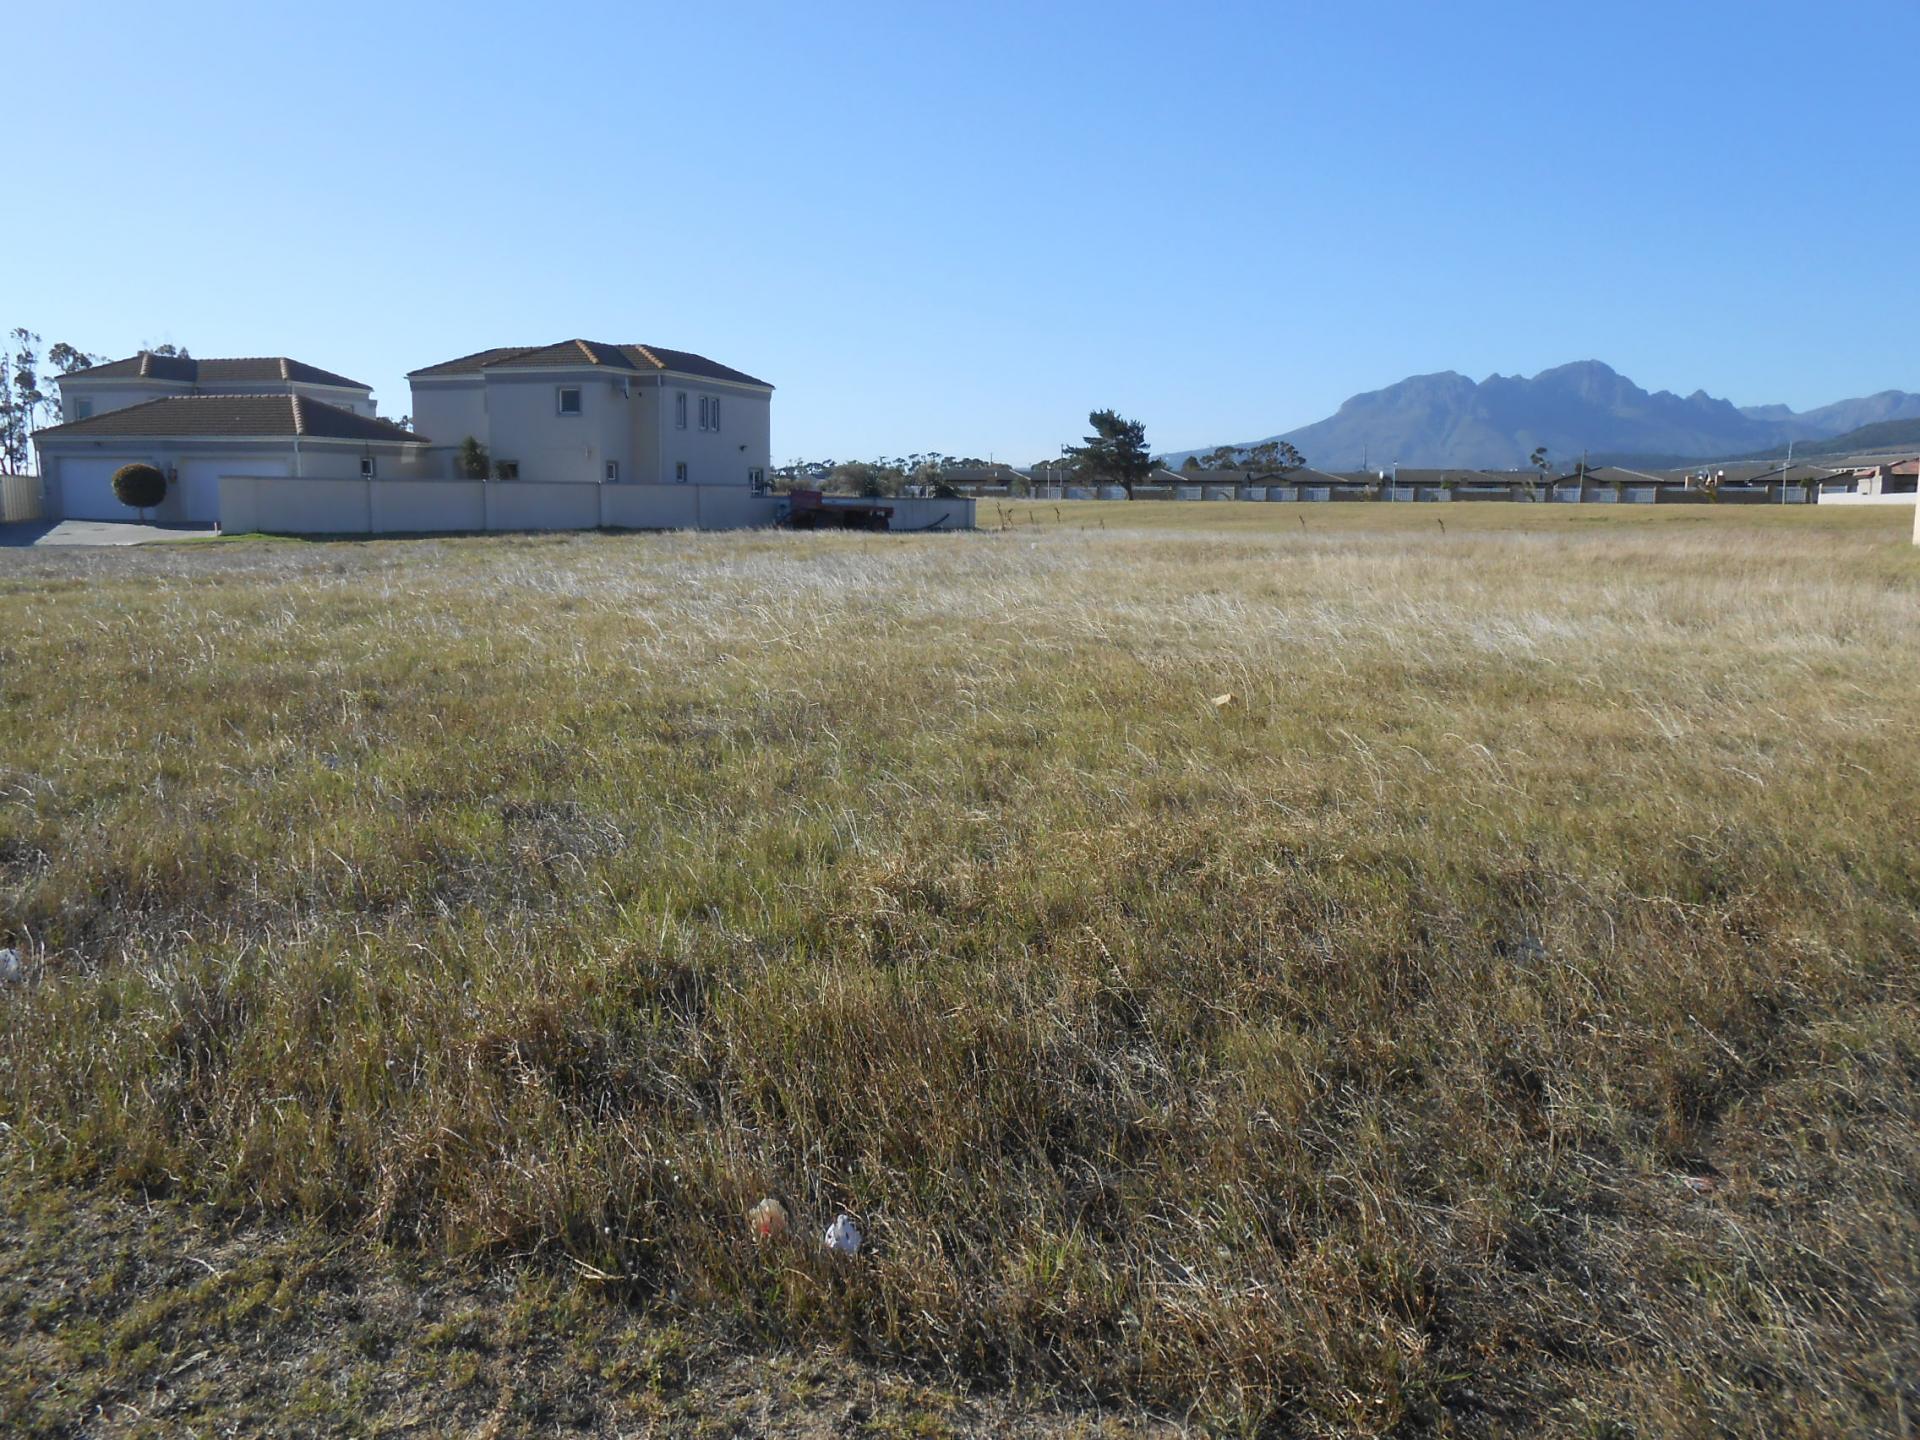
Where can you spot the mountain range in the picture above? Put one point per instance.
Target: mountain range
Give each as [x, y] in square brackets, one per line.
[1584, 408]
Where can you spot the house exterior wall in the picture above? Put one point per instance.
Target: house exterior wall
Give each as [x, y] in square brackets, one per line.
[743, 442]
[526, 427]
[515, 414]
[448, 411]
[360, 402]
[112, 395]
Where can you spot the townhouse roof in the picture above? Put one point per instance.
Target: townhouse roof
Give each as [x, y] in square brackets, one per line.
[231, 416]
[234, 370]
[1298, 475]
[1796, 473]
[641, 359]
[1872, 459]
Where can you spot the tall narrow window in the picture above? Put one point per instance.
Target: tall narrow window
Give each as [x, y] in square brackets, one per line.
[680, 471]
[366, 467]
[714, 411]
[613, 472]
[680, 411]
[703, 412]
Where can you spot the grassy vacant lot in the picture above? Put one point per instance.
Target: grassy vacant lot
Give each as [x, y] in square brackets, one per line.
[1499, 1017]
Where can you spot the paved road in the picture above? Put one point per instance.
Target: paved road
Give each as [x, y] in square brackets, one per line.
[90, 532]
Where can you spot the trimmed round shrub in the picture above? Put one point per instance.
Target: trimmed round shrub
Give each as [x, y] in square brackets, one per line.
[139, 485]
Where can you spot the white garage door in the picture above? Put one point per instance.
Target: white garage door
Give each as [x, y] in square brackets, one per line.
[86, 488]
[200, 484]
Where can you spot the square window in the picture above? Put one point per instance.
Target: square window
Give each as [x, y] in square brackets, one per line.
[507, 470]
[568, 397]
[82, 409]
[680, 471]
[613, 472]
[680, 411]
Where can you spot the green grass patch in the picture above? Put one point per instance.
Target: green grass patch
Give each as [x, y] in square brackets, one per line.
[1495, 1016]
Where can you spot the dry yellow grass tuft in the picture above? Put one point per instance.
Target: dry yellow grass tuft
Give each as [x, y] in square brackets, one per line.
[1499, 1017]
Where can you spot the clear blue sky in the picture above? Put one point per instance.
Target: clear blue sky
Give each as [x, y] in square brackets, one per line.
[961, 227]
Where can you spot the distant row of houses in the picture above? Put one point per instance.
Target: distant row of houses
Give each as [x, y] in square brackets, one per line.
[1875, 478]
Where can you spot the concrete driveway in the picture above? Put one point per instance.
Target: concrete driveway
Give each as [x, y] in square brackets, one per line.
[90, 532]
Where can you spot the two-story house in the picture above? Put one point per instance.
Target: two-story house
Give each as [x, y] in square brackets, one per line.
[197, 420]
[146, 376]
[583, 410]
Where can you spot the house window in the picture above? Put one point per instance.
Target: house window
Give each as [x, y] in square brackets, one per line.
[507, 470]
[568, 399]
[757, 479]
[680, 411]
[82, 409]
[703, 412]
[366, 467]
[680, 471]
[713, 406]
[613, 472]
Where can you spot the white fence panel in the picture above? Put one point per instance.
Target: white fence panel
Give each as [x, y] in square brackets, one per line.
[279, 506]
[735, 507]
[19, 498]
[420, 507]
[531, 505]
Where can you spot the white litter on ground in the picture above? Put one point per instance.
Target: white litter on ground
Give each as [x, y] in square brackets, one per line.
[843, 1236]
[12, 972]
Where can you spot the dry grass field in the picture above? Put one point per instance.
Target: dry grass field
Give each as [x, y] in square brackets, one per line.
[1498, 1017]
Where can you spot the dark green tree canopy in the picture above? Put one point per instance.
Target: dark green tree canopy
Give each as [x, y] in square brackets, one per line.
[1269, 457]
[1116, 453]
[139, 485]
[473, 461]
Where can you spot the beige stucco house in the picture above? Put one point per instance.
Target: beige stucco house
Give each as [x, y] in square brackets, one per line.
[146, 376]
[581, 415]
[584, 411]
[196, 440]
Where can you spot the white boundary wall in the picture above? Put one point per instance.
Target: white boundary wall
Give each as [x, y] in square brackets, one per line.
[913, 514]
[283, 505]
[1907, 499]
[305, 506]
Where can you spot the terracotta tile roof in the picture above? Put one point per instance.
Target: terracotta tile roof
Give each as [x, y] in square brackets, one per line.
[644, 358]
[228, 416]
[238, 370]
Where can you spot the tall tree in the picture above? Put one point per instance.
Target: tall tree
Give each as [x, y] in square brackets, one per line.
[1540, 461]
[1274, 457]
[21, 398]
[69, 360]
[1116, 453]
